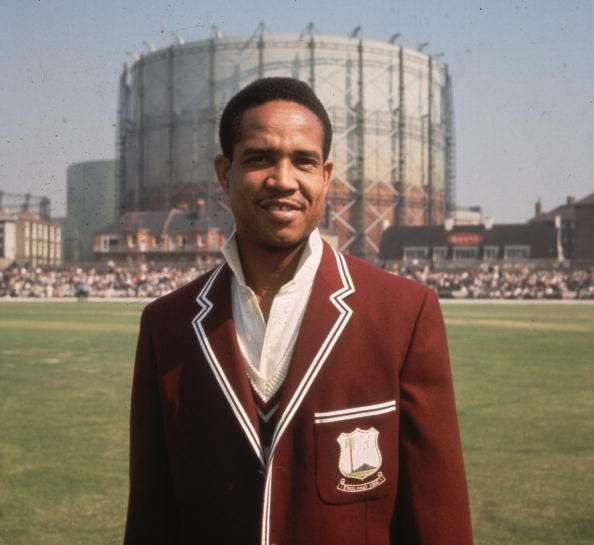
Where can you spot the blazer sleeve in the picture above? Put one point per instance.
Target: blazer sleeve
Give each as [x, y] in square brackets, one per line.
[151, 510]
[432, 499]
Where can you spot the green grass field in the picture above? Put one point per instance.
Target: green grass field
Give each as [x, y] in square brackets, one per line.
[525, 387]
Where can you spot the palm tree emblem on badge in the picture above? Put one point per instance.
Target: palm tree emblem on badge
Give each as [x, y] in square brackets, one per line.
[360, 458]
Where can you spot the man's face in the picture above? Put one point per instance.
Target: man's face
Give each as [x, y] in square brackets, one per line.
[277, 180]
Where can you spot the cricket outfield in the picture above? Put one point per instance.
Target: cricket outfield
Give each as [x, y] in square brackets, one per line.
[524, 377]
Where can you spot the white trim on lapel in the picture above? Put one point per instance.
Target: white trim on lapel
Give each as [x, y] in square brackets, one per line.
[219, 373]
[345, 313]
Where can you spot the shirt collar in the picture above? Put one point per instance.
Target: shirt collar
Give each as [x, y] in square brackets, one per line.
[308, 262]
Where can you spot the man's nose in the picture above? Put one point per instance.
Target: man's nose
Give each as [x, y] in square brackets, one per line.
[282, 177]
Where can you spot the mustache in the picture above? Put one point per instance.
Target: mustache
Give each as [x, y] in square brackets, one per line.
[279, 200]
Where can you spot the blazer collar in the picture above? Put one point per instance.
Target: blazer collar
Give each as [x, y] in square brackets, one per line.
[310, 257]
[326, 316]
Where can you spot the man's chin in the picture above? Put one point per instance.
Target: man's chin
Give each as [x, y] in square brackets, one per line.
[277, 240]
[284, 244]
[282, 240]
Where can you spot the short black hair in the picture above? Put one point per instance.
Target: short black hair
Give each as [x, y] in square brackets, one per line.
[266, 90]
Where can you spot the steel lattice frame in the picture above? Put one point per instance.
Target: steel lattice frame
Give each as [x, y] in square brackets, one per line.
[375, 135]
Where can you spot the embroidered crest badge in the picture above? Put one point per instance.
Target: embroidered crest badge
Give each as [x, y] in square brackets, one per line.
[359, 459]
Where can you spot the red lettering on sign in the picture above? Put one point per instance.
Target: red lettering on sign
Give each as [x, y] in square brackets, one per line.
[465, 239]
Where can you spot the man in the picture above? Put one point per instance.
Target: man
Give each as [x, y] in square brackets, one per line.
[294, 395]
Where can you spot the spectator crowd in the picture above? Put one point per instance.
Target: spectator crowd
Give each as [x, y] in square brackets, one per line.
[140, 282]
[150, 281]
[497, 283]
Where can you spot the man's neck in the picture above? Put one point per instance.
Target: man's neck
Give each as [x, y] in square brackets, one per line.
[267, 270]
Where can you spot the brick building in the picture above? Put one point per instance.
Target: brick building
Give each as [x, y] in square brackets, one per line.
[562, 235]
[166, 237]
[27, 238]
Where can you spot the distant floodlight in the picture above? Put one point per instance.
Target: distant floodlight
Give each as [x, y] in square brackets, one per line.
[394, 37]
[134, 55]
[150, 46]
[216, 33]
[422, 46]
[355, 32]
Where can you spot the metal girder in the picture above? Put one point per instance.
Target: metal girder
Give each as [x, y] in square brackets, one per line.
[370, 179]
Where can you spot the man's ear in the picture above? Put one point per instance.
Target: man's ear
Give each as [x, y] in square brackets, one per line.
[328, 170]
[222, 167]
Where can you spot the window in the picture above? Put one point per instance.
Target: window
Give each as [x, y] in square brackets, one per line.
[516, 252]
[465, 252]
[415, 252]
[104, 244]
[440, 253]
[490, 253]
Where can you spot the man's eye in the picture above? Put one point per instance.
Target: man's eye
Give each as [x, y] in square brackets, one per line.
[306, 163]
[257, 159]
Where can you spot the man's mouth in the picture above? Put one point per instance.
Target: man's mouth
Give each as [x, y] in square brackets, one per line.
[283, 207]
[281, 210]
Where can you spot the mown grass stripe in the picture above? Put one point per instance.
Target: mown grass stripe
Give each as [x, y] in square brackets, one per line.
[59, 325]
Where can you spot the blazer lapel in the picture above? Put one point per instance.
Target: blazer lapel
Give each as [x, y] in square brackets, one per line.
[325, 318]
[215, 331]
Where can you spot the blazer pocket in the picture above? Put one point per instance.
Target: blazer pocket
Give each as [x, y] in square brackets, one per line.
[355, 452]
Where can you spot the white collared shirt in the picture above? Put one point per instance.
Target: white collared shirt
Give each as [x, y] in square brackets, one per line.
[268, 347]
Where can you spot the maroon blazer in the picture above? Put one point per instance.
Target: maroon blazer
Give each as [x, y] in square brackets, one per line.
[366, 448]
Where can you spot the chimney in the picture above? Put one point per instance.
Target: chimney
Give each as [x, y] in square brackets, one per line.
[200, 209]
[538, 208]
[570, 200]
[26, 203]
[45, 208]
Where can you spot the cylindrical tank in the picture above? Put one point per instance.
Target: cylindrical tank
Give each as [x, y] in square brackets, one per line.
[388, 106]
[92, 202]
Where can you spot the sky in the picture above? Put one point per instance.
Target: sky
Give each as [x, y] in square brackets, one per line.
[523, 80]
